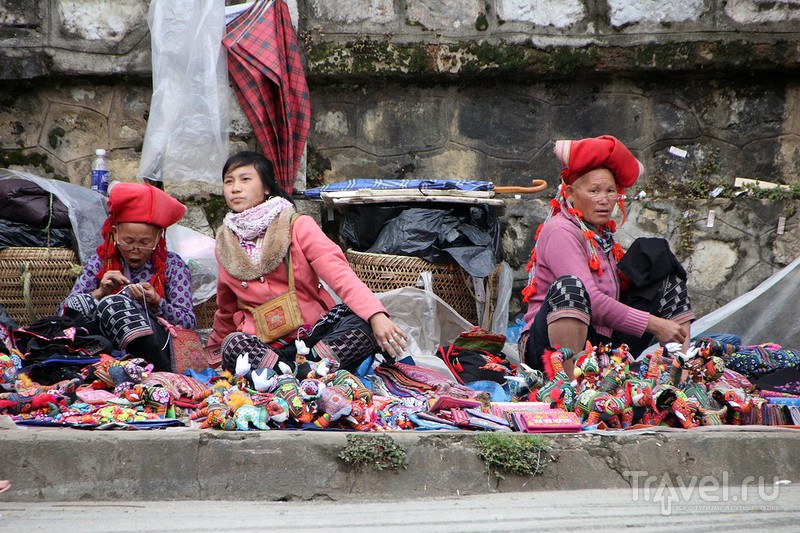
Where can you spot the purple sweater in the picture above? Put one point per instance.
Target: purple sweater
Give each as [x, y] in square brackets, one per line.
[562, 250]
[176, 305]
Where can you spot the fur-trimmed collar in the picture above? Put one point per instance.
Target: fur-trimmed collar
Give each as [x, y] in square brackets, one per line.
[275, 245]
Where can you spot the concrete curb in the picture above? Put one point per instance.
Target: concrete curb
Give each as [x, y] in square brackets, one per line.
[190, 464]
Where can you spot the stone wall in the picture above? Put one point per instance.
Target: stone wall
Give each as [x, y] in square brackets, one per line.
[469, 89]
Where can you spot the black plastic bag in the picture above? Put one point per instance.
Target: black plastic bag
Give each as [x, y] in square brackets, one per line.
[24, 201]
[467, 235]
[21, 234]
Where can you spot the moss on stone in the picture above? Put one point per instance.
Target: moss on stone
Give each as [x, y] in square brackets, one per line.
[573, 60]
[372, 56]
[33, 159]
[55, 135]
[213, 206]
[482, 23]
[664, 56]
[316, 165]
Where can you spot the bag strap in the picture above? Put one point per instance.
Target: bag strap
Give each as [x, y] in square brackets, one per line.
[287, 260]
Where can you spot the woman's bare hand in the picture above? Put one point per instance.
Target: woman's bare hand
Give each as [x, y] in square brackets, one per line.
[391, 339]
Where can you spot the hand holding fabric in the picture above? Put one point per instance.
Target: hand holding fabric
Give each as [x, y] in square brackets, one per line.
[145, 291]
[113, 281]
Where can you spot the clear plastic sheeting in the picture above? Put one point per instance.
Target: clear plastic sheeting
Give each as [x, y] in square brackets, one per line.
[197, 251]
[187, 130]
[767, 313]
[495, 316]
[87, 209]
[429, 322]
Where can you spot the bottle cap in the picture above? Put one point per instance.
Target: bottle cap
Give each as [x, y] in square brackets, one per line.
[100, 151]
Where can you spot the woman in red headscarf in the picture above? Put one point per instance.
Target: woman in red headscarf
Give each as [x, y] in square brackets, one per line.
[576, 291]
[133, 280]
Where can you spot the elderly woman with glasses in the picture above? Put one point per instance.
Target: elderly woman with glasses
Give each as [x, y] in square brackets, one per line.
[577, 290]
[132, 281]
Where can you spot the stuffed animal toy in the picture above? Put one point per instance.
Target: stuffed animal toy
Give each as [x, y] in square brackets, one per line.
[343, 377]
[616, 370]
[553, 361]
[244, 414]
[278, 411]
[558, 392]
[709, 413]
[674, 405]
[288, 389]
[311, 369]
[311, 389]
[335, 402]
[654, 366]
[8, 372]
[639, 395]
[248, 415]
[364, 416]
[595, 406]
[526, 383]
[587, 369]
[701, 364]
[214, 413]
[220, 387]
[735, 400]
[260, 379]
[156, 399]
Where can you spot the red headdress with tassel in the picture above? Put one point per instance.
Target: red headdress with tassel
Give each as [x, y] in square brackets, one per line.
[137, 202]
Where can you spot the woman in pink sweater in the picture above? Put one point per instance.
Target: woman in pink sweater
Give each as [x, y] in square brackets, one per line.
[252, 248]
[576, 291]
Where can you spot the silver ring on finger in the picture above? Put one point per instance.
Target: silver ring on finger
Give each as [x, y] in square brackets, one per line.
[391, 341]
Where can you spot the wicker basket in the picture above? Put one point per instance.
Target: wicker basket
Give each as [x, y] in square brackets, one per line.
[33, 281]
[383, 272]
[205, 313]
[52, 275]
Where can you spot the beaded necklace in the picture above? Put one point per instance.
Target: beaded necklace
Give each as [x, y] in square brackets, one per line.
[600, 237]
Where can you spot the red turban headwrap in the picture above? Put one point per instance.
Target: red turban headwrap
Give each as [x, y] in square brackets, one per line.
[585, 155]
[142, 203]
[138, 202]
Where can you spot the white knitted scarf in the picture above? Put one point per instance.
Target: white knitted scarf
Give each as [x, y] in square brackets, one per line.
[251, 223]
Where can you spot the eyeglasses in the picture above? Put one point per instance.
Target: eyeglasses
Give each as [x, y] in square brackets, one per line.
[597, 196]
[131, 247]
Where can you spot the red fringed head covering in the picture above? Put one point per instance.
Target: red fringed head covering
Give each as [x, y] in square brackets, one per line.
[137, 202]
[585, 155]
[578, 158]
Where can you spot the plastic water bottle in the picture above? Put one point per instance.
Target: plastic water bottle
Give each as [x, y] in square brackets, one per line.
[100, 172]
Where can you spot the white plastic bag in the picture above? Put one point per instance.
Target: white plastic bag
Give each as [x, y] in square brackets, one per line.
[429, 322]
[197, 251]
[187, 130]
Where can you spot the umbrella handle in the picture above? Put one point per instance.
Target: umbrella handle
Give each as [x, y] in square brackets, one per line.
[538, 185]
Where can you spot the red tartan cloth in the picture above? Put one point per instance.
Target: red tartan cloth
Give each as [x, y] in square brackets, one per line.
[269, 81]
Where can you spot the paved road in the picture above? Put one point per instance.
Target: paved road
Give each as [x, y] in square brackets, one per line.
[772, 509]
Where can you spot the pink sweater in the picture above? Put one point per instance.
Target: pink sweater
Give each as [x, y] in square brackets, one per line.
[562, 250]
[314, 257]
